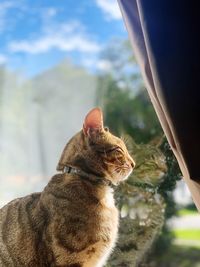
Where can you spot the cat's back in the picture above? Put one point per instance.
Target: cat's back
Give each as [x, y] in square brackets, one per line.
[66, 218]
[16, 231]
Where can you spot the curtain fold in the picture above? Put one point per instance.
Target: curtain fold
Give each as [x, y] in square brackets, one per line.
[164, 37]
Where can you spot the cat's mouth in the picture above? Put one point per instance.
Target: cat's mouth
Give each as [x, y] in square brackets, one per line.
[124, 174]
[127, 175]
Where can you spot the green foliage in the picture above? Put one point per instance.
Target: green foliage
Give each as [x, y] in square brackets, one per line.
[127, 113]
[176, 256]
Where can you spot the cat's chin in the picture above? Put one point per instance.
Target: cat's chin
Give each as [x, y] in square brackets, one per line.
[126, 177]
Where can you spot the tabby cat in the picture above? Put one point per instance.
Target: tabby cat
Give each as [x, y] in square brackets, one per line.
[73, 222]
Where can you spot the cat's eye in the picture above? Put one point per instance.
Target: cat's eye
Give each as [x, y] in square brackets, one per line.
[110, 150]
[114, 149]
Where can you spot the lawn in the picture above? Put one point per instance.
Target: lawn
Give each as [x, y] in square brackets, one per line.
[184, 212]
[189, 234]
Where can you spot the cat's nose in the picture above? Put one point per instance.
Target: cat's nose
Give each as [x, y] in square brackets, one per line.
[133, 164]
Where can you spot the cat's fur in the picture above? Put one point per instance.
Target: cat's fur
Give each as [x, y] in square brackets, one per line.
[73, 222]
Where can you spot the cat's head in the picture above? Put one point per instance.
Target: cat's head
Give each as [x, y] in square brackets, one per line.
[96, 151]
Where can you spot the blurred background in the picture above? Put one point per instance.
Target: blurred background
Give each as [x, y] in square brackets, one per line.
[58, 59]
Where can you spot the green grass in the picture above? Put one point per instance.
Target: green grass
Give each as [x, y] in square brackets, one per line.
[184, 212]
[189, 234]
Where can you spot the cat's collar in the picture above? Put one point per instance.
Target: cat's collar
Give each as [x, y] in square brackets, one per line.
[96, 180]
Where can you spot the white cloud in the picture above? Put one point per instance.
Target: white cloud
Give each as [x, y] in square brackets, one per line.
[104, 65]
[110, 8]
[4, 8]
[64, 37]
[3, 59]
[51, 12]
[93, 63]
[6, 5]
[47, 14]
[88, 62]
[8, 22]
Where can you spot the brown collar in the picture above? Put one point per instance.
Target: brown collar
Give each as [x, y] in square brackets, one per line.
[96, 180]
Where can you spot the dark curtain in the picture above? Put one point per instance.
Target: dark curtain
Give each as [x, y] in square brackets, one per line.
[165, 38]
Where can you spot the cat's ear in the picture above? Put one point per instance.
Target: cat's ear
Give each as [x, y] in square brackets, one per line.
[157, 141]
[93, 122]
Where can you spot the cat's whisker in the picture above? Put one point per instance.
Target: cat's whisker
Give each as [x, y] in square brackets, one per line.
[114, 173]
[118, 160]
[105, 154]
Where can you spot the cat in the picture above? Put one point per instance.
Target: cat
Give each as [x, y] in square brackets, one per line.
[73, 222]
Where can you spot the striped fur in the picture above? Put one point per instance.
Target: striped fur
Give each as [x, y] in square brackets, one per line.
[72, 222]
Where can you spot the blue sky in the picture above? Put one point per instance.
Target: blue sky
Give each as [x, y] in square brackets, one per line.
[36, 35]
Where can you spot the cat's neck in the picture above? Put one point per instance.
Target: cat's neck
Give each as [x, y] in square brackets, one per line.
[93, 179]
